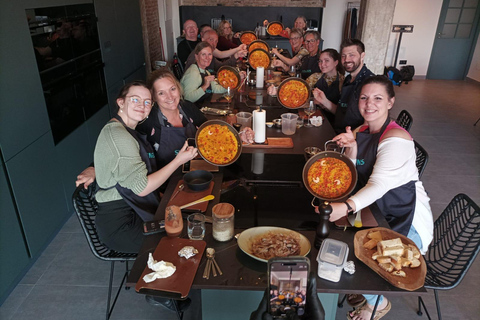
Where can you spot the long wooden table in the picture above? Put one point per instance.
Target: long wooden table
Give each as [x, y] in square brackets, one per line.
[276, 196]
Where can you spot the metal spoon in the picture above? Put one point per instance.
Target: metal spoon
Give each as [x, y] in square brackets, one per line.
[180, 188]
[210, 255]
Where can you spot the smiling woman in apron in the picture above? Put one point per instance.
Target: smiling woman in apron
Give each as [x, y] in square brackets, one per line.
[384, 154]
[197, 83]
[126, 172]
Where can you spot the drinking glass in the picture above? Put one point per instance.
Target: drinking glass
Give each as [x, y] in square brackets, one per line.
[228, 96]
[292, 71]
[309, 111]
[196, 226]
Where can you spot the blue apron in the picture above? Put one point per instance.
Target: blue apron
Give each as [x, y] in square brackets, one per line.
[172, 138]
[146, 206]
[397, 205]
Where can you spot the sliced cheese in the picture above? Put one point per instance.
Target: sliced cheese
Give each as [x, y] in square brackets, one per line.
[393, 251]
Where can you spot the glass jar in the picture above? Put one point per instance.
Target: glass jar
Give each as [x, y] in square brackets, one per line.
[223, 221]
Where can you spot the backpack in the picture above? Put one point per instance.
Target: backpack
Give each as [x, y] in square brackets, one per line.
[393, 74]
[407, 73]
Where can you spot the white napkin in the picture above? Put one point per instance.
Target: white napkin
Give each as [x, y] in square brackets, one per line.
[316, 121]
[161, 269]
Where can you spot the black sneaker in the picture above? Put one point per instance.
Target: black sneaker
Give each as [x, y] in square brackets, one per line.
[182, 305]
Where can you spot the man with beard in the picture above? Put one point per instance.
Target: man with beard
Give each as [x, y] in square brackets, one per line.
[190, 30]
[346, 111]
[231, 55]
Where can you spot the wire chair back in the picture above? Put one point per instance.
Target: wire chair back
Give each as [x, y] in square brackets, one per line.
[404, 120]
[421, 159]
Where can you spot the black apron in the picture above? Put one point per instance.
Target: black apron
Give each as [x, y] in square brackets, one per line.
[146, 206]
[347, 113]
[332, 93]
[173, 138]
[310, 65]
[208, 92]
[397, 205]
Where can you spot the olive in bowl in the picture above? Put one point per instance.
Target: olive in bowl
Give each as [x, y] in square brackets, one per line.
[198, 180]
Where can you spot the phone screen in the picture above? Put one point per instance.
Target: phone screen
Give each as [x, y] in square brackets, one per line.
[288, 286]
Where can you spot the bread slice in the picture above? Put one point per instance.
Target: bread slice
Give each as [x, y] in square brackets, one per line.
[375, 235]
[370, 244]
[386, 266]
[399, 273]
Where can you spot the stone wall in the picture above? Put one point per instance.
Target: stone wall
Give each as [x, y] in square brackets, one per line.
[254, 3]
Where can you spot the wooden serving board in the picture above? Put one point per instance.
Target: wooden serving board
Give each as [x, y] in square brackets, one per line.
[181, 281]
[368, 220]
[218, 98]
[186, 195]
[272, 143]
[415, 276]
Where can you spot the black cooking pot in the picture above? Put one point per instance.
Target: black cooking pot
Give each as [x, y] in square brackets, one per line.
[198, 180]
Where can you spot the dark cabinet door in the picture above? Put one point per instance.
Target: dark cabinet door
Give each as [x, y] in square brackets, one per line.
[12, 245]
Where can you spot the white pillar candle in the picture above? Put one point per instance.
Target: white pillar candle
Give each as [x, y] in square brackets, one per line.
[259, 98]
[257, 162]
[259, 118]
[260, 75]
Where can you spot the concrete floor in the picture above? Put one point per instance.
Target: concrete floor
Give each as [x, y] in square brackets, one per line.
[68, 282]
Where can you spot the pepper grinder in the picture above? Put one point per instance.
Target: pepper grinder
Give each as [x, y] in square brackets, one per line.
[323, 227]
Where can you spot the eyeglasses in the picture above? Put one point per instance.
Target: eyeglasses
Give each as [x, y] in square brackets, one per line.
[295, 38]
[136, 100]
[310, 41]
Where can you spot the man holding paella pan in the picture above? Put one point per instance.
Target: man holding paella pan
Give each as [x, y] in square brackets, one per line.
[384, 155]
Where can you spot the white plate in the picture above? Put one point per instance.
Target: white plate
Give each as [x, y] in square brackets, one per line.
[249, 235]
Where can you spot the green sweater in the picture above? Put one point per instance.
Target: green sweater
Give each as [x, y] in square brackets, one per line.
[117, 160]
[192, 81]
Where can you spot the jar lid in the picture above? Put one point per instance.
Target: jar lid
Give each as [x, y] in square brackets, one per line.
[333, 251]
[223, 210]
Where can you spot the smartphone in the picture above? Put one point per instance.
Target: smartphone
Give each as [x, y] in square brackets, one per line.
[287, 285]
[151, 227]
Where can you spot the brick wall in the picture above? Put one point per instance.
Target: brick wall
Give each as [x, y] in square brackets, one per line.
[151, 33]
[255, 3]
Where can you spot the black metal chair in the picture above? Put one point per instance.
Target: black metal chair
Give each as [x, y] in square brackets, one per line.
[404, 120]
[86, 209]
[456, 243]
[422, 158]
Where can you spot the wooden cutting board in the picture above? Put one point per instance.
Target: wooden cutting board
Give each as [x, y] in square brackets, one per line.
[415, 276]
[186, 195]
[272, 143]
[181, 281]
[368, 220]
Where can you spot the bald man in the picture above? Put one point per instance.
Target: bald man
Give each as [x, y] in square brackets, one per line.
[211, 37]
[190, 31]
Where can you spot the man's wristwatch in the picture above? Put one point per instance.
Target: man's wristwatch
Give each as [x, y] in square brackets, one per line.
[349, 209]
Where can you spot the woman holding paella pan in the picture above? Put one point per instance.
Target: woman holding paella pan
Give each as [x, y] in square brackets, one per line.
[171, 121]
[197, 82]
[384, 155]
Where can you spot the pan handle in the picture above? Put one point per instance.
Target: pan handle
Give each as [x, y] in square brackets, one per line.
[336, 146]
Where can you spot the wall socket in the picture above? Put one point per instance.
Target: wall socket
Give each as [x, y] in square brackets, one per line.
[403, 62]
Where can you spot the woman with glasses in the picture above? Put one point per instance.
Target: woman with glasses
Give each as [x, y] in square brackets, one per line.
[226, 38]
[306, 58]
[126, 172]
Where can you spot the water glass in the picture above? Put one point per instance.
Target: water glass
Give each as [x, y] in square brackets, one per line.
[196, 226]
[245, 119]
[289, 123]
